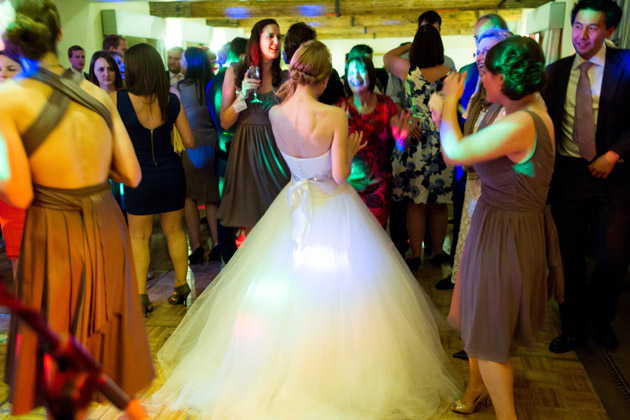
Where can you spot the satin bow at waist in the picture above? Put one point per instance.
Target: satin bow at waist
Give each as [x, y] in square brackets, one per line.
[66, 199]
[88, 202]
[301, 202]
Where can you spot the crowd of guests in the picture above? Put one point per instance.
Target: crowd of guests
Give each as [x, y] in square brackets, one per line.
[162, 139]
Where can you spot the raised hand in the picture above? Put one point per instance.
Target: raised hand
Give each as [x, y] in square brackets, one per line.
[355, 144]
[454, 85]
[404, 128]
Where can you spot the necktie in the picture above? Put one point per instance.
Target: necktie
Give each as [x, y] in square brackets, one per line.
[584, 124]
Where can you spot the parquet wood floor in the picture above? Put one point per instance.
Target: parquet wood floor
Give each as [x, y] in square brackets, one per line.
[547, 386]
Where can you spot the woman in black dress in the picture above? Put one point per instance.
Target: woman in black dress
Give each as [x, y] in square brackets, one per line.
[149, 112]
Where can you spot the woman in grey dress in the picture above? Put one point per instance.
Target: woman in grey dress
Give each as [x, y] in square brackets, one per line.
[202, 182]
[256, 170]
[501, 294]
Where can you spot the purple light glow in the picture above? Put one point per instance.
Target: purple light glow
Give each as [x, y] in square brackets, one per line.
[311, 10]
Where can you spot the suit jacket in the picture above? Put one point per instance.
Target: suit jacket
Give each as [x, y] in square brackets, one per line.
[613, 119]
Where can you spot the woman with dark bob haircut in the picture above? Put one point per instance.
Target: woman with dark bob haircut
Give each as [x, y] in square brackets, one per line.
[511, 258]
[104, 72]
[150, 114]
[75, 265]
[420, 175]
[256, 170]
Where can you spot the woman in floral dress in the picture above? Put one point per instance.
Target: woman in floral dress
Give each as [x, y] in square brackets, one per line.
[420, 173]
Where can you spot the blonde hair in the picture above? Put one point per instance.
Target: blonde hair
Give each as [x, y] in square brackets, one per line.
[310, 64]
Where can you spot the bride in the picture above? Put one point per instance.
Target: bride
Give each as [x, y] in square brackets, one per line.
[316, 316]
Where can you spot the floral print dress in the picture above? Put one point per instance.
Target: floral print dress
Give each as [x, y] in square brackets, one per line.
[419, 171]
[371, 173]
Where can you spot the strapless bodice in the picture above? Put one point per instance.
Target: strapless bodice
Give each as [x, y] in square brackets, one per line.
[315, 169]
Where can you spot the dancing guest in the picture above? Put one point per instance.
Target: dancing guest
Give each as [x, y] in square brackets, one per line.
[104, 72]
[202, 182]
[479, 114]
[256, 171]
[373, 115]
[501, 296]
[11, 217]
[75, 264]
[149, 113]
[299, 321]
[420, 174]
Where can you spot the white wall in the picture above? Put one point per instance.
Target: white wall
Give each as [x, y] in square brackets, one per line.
[459, 47]
[81, 23]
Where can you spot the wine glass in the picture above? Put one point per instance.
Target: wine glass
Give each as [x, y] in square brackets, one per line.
[254, 73]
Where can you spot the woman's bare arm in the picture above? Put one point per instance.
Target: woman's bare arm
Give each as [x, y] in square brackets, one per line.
[515, 133]
[125, 168]
[17, 190]
[183, 126]
[396, 65]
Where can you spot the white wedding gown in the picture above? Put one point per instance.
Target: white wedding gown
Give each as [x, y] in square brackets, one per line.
[316, 317]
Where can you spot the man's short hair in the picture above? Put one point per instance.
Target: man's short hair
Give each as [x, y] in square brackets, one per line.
[431, 17]
[497, 21]
[111, 41]
[74, 48]
[297, 34]
[611, 10]
[179, 49]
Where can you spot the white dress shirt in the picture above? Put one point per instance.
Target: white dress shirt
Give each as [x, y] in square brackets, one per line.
[567, 146]
[174, 78]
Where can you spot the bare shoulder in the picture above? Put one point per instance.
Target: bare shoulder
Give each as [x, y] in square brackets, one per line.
[96, 92]
[332, 112]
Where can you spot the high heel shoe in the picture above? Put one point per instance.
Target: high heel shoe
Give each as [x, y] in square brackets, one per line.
[459, 407]
[145, 304]
[414, 263]
[197, 256]
[180, 294]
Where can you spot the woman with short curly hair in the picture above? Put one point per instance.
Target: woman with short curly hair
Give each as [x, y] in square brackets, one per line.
[511, 257]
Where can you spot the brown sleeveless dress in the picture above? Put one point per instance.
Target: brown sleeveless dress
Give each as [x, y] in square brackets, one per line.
[76, 268]
[511, 261]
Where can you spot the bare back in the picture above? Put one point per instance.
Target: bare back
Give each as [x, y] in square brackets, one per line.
[305, 128]
[78, 152]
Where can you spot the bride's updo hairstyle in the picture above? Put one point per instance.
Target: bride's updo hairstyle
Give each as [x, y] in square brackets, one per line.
[521, 62]
[310, 64]
[35, 30]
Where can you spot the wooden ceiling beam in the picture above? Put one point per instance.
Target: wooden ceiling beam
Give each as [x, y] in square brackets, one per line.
[325, 8]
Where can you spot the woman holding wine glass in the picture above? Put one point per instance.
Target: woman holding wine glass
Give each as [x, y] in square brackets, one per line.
[256, 171]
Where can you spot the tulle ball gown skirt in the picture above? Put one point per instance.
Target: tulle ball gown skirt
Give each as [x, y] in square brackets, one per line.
[316, 317]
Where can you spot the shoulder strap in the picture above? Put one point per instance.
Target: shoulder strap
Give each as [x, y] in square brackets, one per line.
[65, 89]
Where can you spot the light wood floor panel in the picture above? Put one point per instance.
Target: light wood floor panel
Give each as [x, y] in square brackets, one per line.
[547, 386]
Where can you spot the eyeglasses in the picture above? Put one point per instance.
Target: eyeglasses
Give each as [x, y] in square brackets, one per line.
[478, 53]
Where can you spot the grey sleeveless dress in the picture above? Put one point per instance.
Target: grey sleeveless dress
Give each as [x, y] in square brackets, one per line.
[256, 170]
[511, 261]
[202, 182]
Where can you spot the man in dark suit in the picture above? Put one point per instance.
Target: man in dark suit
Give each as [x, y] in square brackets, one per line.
[588, 97]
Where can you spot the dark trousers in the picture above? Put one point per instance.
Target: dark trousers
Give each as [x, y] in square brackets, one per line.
[591, 220]
[398, 225]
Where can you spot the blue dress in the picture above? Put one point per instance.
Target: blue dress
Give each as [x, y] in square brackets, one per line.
[163, 185]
